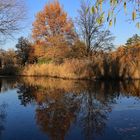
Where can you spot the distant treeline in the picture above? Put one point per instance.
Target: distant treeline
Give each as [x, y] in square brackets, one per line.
[123, 63]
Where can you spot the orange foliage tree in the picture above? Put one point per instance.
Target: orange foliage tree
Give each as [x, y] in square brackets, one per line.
[53, 27]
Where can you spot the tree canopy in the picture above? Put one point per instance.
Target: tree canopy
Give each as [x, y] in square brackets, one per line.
[23, 50]
[135, 39]
[53, 26]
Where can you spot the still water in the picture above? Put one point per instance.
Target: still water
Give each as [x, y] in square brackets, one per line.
[54, 109]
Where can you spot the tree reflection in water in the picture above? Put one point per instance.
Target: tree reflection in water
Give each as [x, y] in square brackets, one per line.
[26, 94]
[2, 117]
[61, 103]
[56, 115]
[7, 84]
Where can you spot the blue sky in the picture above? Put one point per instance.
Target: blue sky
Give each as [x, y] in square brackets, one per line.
[122, 30]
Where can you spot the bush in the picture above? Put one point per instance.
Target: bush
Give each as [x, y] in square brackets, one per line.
[43, 60]
[10, 70]
[78, 50]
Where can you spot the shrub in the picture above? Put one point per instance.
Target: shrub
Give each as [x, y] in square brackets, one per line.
[10, 70]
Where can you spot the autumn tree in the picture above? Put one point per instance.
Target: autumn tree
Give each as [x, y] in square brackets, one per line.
[93, 34]
[23, 50]
[2, 54]
[39, 49]
[9, 57]
[53, 27]
[78, 50]
[8, 62]
[133, 40]
[12, 12]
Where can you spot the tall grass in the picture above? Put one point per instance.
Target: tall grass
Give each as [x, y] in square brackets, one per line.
[98, 68]
[70, 69]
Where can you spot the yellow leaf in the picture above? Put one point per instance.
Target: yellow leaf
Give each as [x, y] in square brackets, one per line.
[133, 15]
[110, 23]
[138, 25]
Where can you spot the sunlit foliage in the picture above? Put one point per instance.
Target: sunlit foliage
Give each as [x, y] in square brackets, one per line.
[114, 8]
[53, 26]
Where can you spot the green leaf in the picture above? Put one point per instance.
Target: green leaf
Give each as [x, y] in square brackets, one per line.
[98, 20]
[93, 10]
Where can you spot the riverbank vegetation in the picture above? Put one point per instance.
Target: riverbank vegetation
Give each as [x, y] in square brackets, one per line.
[67, 49]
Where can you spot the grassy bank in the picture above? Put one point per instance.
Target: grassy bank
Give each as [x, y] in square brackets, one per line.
[70, 69]
[108, 67]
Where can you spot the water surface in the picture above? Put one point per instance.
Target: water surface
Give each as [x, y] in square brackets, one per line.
[54, 109]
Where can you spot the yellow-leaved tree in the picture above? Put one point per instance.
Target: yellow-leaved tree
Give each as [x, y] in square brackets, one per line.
[53, 27]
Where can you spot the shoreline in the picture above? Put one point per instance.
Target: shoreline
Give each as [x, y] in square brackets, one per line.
[74, 79]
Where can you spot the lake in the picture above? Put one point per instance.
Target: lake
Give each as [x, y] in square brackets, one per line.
[56, 109]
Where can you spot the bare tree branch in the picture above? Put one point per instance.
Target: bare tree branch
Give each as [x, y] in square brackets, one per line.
[12, 12]
[95, 37]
